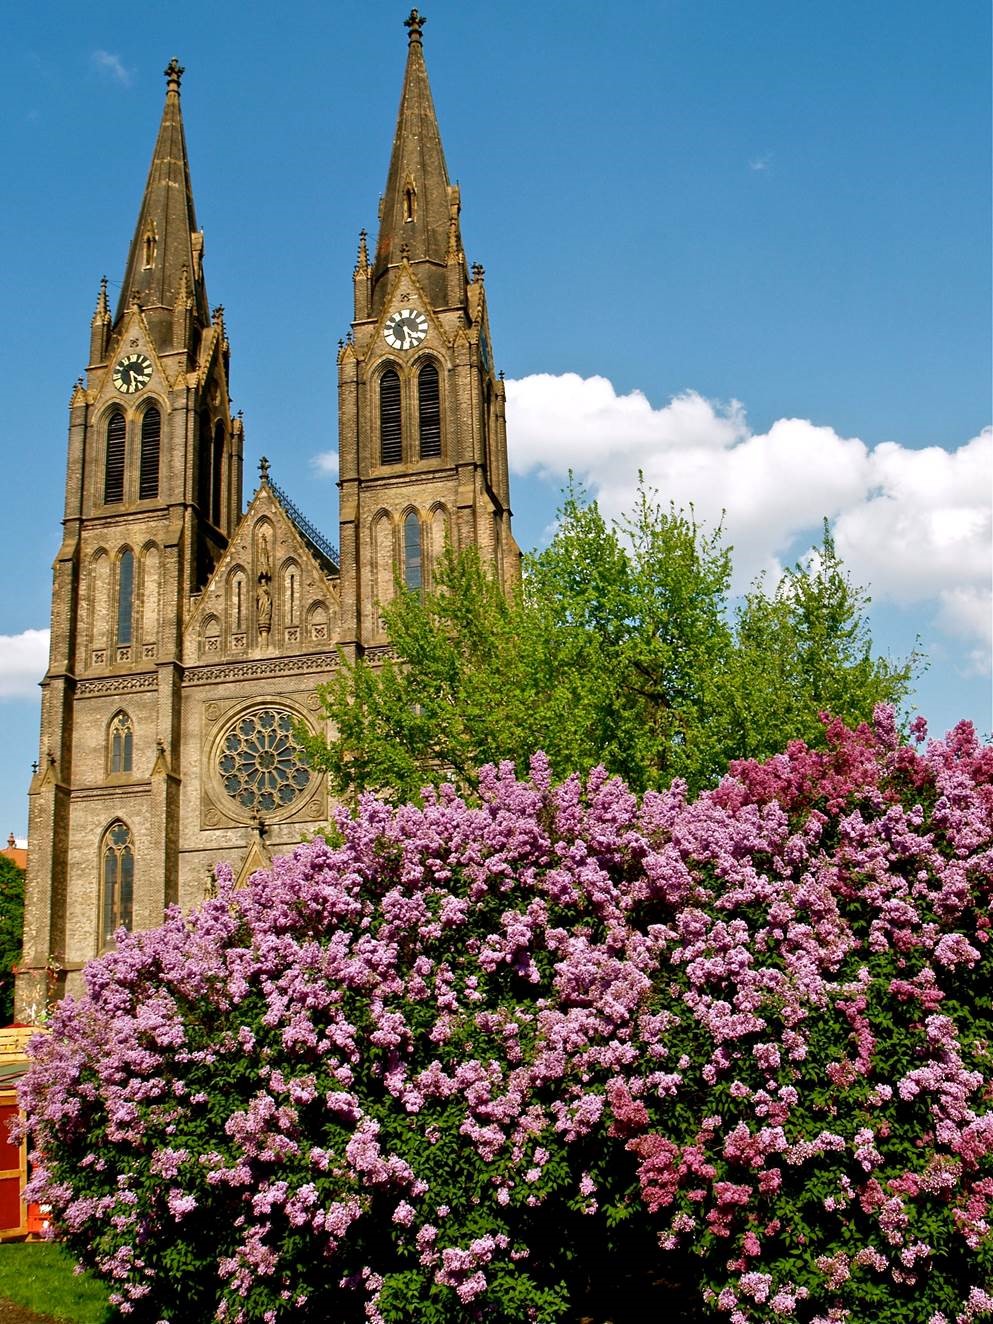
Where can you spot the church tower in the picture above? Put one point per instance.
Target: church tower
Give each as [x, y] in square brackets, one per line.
[421, 413]
[189, 636]
[153, 491]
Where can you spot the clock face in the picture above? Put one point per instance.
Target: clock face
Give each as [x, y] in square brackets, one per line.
[405, 329]
[132, 373]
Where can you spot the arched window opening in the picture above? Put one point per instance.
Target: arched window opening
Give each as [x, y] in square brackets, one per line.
[409, 202]
[151, 434]
[390, 426]
[150, 246]
[117, 861]
[217, 471]
[429, 411]
[384, 557]
[203, 465]
[121, 743]
[237, 602]
[125, 597]
[149, 595]
[412, 551]
[113, 482]
[291, 595]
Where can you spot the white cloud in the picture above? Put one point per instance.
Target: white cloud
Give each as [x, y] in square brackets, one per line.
[23, 662]
[106, 62]
[761, 163]
[914, 525]
[325, 464]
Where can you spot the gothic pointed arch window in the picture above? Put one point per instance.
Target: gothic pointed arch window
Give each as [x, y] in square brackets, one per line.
[120, 744]
[113, 479]
[412, 551]
[116, 881]
[384, 556]
[125, 597]
[429, 411]
[409, 201]
[148, 471]
[148, 596]
[390, 418]
[291, 594]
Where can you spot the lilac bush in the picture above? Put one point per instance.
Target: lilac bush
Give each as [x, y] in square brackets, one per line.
[481, 1062]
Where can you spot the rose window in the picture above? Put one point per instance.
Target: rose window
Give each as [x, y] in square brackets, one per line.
[262, 764]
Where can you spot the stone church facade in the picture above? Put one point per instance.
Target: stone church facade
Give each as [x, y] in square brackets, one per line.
[188, 636]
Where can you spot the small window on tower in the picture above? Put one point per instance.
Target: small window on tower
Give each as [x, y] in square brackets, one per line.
[121, 744]
[117, 880]
[125, 597]
[410, 203]
[150, 246]
[412, 551]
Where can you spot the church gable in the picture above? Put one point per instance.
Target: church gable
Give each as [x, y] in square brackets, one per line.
[273, 593]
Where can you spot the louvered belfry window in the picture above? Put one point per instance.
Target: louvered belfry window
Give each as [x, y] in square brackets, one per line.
[113, 482]
[429, 411]
[148, 476]
[390, 424]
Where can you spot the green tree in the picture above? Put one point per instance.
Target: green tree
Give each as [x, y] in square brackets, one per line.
[11, 929]
[805, 650]
[620, 647]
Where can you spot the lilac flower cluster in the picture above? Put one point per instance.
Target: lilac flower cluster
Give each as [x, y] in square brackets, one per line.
[392, 1077]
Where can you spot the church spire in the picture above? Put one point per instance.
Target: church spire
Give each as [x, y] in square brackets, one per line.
[415, 211]
[166, 239]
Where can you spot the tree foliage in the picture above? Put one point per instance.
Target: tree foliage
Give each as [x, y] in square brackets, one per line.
[563, 1052]
[11, 930]
[621, 648]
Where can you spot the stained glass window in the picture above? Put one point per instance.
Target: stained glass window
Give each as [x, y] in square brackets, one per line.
[118, 880]
[121, 743]
[262, 765]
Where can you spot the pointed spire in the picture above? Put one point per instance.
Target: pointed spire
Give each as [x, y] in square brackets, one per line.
[103, 307]
[166, 239]
[415, 209]
[100, 326]
[362, 261]
[362, 279]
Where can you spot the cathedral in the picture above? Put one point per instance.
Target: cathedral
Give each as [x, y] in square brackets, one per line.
[189, 633]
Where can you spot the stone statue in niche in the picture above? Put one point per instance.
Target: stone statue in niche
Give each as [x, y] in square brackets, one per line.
[263, 595]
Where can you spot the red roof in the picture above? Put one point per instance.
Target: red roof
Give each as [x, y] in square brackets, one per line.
[18, 854]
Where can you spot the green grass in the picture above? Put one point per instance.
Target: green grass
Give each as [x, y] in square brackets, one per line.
[39, 1276]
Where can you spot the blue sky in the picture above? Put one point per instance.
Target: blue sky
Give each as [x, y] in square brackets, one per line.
[744, 247]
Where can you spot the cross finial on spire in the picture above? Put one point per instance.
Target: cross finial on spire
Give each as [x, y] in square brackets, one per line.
[264, 469]
[174, 74]
[414, 23]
